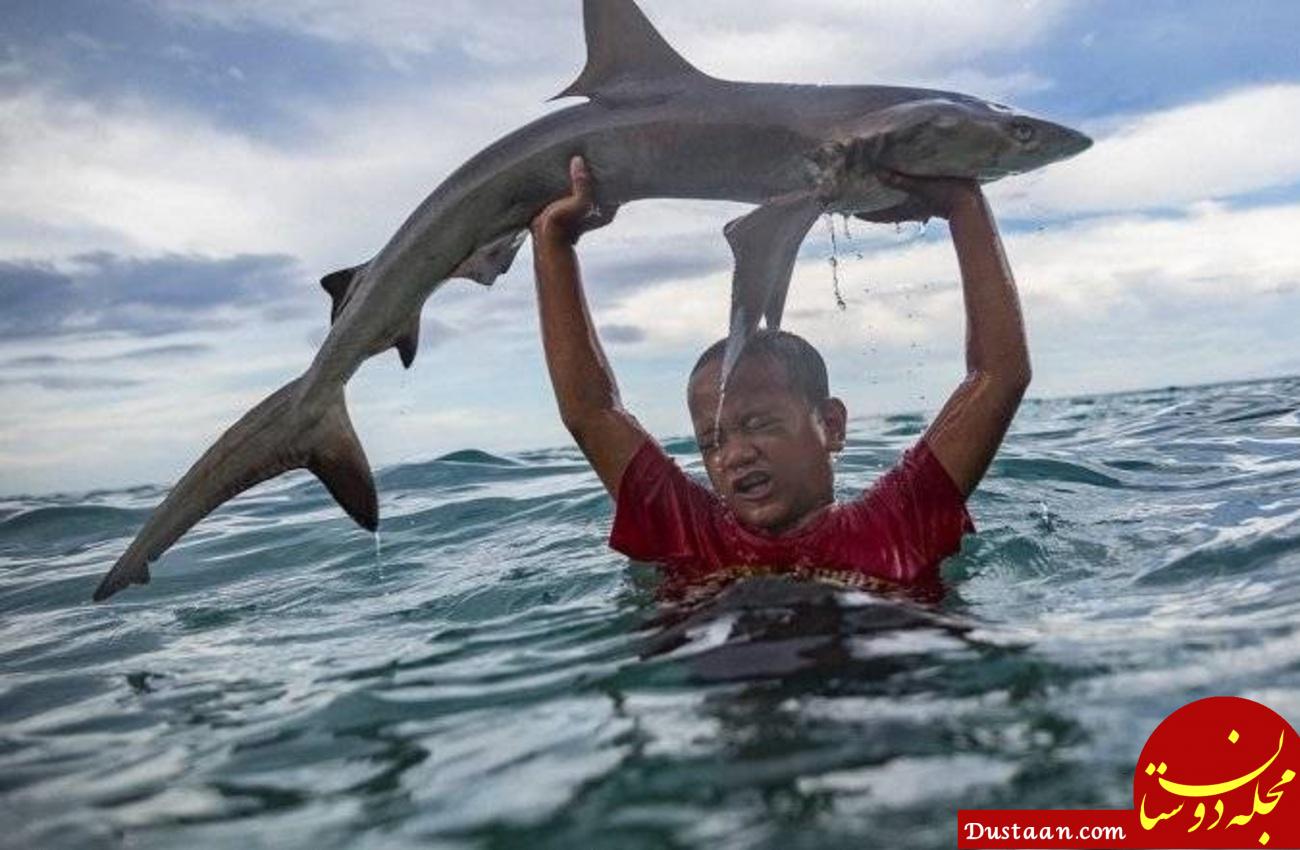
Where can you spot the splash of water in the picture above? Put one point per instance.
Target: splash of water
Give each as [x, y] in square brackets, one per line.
[717, 416]
[1045, 522]
[911, 230]
[835, 265]
[379, 557]
[849, 240]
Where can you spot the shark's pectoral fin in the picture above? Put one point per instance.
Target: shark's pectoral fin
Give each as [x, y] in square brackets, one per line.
[765, 244]
[492, 260]
[627, 58]
[338, 284]
[913, 209]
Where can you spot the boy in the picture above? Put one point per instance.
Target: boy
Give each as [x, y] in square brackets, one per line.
[769, 456]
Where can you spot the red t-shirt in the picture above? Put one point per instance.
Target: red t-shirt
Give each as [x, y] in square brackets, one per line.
[899, 529]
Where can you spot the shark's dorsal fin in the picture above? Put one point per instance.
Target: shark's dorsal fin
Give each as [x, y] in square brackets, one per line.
[626, 56]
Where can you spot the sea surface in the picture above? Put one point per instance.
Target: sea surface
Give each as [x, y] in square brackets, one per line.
[488, 674]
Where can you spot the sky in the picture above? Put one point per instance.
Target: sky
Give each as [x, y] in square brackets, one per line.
[176, 176]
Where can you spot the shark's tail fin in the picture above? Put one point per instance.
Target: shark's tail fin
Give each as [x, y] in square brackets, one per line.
[280, 434]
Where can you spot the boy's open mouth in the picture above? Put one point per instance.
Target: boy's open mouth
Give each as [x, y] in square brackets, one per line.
[755, 485]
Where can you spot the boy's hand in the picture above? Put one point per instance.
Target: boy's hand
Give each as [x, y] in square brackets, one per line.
[565, 220]
[931, 197]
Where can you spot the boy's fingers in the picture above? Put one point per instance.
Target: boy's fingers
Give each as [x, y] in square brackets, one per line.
[579, 177]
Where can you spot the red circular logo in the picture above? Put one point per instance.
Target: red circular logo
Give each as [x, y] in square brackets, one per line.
[1221, 772]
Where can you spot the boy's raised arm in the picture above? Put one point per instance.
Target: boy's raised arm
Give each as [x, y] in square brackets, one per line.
[969, 429]
[584, 384]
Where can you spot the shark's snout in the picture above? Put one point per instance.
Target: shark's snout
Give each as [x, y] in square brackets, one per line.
[1048, 142]
[1076, 142]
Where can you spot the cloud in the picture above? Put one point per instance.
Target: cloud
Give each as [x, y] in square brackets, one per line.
[903, 290]
[164, 352]
[102, 292]
[655, 260]
[354, 112]
[140, 177]
[67, 383]
[1230, 145]
[135, 178]
[402, 29]
[134, 355]
[35, 299]
[887, 41]
[100, 409]
[741, 39]
[1206, 254]
[622, 334]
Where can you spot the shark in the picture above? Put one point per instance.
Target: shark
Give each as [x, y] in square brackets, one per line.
[652, 126]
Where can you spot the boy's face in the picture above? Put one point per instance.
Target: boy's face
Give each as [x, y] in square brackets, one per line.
[771, 459]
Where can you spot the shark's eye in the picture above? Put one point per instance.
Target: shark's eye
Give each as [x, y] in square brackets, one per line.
[1022, 132]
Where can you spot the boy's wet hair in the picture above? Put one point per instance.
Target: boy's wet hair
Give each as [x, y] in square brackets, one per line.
[804, 366]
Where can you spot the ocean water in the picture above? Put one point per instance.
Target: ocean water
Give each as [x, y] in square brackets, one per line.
[490, 675]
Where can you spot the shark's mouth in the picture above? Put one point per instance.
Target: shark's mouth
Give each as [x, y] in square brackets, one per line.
[852, 184]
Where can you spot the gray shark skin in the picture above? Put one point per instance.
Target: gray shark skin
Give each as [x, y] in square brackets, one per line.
[653, 127]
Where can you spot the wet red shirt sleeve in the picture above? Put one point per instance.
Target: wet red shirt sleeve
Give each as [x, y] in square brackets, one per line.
[900, 529]
[914, 516]
[661, 511]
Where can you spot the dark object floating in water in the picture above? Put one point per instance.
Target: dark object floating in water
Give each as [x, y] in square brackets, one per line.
[774, 627]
